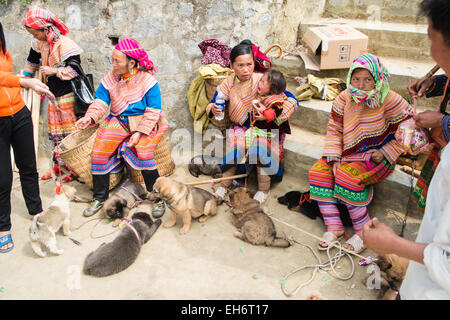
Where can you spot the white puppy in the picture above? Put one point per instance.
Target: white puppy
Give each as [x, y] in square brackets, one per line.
[46, 224]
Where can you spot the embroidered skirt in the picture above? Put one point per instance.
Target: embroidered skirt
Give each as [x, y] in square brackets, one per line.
[353, 183]
[61, 119]
[267, 153]
[110, 147]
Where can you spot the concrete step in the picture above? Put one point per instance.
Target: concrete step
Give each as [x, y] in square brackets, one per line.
[403, 72]
[303, 148]
[405, 40]
[379, 10]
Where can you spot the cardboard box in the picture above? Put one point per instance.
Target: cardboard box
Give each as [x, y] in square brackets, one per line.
[333, 47]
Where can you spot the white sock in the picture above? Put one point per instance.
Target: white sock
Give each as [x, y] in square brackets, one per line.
[260, 196]
[221, 191]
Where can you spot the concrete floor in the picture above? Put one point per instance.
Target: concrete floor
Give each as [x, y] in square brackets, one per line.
[207, 263]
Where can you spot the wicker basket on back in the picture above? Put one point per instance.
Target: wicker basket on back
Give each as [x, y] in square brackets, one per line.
[76, 150]
[211, 86]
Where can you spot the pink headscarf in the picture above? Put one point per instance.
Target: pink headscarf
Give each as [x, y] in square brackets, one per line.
[38, 18]
[133, 49]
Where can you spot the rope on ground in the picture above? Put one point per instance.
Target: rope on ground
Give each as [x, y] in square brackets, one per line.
[326, 266]
[92, 231]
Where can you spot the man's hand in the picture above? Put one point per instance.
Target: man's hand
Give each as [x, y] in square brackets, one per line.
[378, 237]
[134, 140]
[429, 119]
[425, 85]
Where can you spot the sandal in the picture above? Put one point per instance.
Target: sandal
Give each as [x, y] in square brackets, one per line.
[357, 244]
[6, 239]
[47, 176]
[329, 237]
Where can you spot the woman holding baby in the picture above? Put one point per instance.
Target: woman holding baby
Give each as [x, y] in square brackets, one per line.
[259, 108]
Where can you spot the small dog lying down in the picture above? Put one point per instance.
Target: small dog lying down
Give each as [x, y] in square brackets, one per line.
[392, 271]
[254, 225]
[189, 202]
[309, 207]
[206, 165]
[45, 225]
[122, 199]
[116, 256]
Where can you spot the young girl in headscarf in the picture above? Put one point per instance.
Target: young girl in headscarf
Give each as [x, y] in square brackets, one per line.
[360, 148]
[51, 51]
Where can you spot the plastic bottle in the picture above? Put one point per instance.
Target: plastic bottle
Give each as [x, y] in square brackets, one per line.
[220, 102]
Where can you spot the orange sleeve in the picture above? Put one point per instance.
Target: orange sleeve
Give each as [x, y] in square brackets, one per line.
[9, 79]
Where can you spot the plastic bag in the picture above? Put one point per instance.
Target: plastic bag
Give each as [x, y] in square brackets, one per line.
[412, 138]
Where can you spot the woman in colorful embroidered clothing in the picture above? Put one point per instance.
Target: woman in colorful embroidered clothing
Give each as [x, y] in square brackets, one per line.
[16, 131]
[266, 152]
[130, 89]
[52, 51]
[360, 148]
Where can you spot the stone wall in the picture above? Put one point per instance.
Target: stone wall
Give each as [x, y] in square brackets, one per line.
[170, 32]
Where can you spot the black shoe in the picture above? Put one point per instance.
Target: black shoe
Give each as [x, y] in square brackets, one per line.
[158, 209]
[88, 212]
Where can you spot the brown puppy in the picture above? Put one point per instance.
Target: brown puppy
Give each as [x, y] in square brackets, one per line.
[45, 225]
[124, 198]
[392, 272]
[189, 202]
[255, 226]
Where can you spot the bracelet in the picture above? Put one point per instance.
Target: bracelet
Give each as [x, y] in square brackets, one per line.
[27, 73]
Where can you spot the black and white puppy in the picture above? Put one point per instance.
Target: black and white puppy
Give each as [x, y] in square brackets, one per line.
[116, 256]
[309, 207]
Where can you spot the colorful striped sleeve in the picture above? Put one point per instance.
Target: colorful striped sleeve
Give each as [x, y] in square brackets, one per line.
[152, 111]
[289, 107]
[333, 139]
[392, 150]
[101, 103]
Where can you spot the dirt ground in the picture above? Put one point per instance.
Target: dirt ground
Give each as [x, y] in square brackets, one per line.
[207, 263]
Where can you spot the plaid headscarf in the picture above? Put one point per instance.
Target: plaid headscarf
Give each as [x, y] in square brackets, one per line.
[373, 98]
[38, 18]
[133, 49]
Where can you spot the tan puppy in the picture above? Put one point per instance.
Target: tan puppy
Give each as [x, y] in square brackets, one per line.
[45, 225]
[254, 225]
[189, 202]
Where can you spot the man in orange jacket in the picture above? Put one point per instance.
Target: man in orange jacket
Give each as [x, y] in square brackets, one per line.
[16, 130]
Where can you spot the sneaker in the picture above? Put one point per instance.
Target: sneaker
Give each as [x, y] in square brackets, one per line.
[260, 196]
[221, 192]
[88, 212]
[158, 210]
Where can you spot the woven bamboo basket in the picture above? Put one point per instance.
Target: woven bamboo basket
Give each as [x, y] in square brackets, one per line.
[76, 151]
[211, 86]
[164, 163]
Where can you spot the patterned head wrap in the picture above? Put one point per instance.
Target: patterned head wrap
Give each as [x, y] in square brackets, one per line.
[38, 18]
[133, 49]
[373, 98]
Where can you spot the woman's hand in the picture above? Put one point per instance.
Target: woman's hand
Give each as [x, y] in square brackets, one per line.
[376, 156]
[134, 140]
[426, 84]
[48, 71]
[35, 85]
[212, 107]
[429, 119]
[83, 123]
